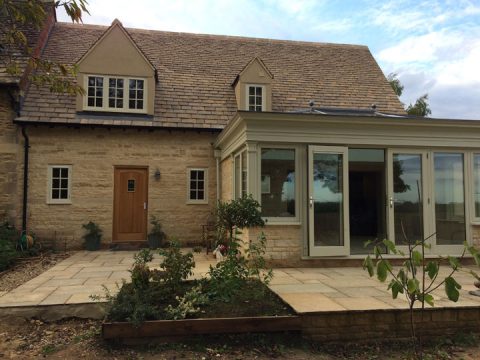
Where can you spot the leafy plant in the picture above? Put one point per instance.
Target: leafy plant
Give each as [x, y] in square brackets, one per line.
[93, 236]
[257, 265]
[141, 273]
[8, 253]
[157, 236]
[240, 213]
[187, 304]
[417, 278]
[197, 249]
[176, 267]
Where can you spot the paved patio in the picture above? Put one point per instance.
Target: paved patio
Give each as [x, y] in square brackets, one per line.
[73, 280]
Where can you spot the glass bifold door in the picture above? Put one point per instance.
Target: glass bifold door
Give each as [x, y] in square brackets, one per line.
[425, 198]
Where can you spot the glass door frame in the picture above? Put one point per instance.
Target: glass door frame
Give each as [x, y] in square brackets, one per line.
[427, 212]
[456, 249]
[343, 250]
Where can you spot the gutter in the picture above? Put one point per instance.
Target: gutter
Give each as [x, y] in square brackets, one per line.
[25, 179]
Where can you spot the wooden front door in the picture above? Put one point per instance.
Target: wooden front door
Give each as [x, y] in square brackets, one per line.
[130, 204]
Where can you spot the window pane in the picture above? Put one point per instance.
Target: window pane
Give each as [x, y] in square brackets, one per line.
[193, 195]
[111, 103]
[91, 81]
[119, 103]
[99, 102]
[99, 81]
[56, 172]
[131, 104]
[200, 175]
[193, 185]
[408, 202]
[64, 184]
[200, 185]
[251, 90]
[449, 199]
[476, 185]
[131, 185]
[64, 172]
[55, 183]
[140, 84]
[200, 195]
[278, 182]
[132, 84]
[63, 194]
[139, 104]
[112, 83]
[55, 194]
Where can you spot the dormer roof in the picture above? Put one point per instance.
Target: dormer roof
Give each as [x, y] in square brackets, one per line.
[254, 60]
[116, 24]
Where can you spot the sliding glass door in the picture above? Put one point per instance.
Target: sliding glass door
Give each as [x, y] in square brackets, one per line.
[328, 201]
[407, 196]
[449, 201]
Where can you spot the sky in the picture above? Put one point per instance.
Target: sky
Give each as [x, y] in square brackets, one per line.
[433, 46]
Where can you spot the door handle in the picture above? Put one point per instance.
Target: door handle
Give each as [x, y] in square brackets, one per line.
[311, 201]
[391, 202]
[145, 205]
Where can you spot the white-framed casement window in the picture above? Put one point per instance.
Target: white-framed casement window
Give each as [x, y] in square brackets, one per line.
[240, 175]
[279, 191]
[197, 186]
[255, 97]
[59, 184]
[115, 94]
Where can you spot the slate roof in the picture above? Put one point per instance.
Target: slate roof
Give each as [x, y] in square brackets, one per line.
[195, 74]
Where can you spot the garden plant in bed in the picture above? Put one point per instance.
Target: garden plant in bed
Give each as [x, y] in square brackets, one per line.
[234, 287]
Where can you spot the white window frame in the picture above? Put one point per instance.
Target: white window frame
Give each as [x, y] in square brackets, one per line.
[474, 219]
[50, 200]
[239, 178]
[205, 185]
[105, 98]
[279, 220]
[247, 96]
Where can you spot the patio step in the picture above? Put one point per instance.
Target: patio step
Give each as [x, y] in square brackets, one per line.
[128, 245]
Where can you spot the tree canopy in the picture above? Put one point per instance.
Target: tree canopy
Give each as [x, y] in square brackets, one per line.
[421, 106]
[20, 20]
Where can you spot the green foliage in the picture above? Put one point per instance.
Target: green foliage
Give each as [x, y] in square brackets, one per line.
[229, 276]
[18, 17]
[157, 236]
[176, 267]
[395, 83]
[417, 278]
[140, 272]
[240, 213]
[187, 304]
[420, 108]
[257, 266]
[93, 236]
[8, 253]
[197, 249]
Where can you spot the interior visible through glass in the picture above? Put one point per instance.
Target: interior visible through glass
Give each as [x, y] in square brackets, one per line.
[407, 198]
[449, 199]
[278, 182]
[328, 199]
[367, 193]
[476, 185]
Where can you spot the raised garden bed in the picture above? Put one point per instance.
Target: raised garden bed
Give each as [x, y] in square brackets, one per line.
[168, 329]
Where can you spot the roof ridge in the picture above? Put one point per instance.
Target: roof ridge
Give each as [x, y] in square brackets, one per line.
[217, 36]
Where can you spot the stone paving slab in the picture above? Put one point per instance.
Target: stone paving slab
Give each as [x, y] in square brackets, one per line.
[75, 279]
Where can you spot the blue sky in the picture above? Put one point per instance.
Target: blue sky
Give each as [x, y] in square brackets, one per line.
[433, 46]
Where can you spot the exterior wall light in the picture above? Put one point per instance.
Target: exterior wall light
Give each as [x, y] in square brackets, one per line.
[157, 175]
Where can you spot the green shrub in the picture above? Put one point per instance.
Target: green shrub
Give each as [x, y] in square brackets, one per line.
[240, 213]
[93, 236]
[187, 304]
[141, 273]
[176, 267]
[8, 253]
[157, 236]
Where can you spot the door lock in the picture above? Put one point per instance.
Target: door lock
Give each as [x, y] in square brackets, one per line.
[391, 202]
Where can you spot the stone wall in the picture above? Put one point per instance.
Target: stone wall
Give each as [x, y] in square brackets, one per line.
[93, 153]
[341, 326]
[284, 244]
[226, 173]
[8, 158]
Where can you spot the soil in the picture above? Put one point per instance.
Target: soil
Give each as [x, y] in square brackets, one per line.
[80, 339]
[27, 268]
[254, 299]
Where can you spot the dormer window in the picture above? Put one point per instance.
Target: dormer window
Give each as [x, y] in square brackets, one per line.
[109, 93]
[255, 98]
